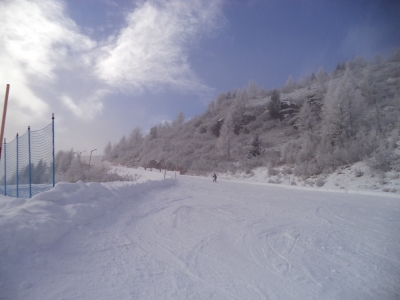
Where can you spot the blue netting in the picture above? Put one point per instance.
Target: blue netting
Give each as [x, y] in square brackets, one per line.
[26, 166]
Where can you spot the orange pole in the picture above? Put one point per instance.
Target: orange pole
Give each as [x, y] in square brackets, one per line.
[3, 122]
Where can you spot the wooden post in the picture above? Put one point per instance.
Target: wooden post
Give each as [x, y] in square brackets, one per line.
[4, 116]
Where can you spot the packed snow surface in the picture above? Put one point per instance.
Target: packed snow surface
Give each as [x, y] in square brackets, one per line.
[190, 238]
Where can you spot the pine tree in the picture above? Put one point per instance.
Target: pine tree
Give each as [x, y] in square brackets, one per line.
[256, 144]
[251, 90]
[180, 119]
[341, 111]
[309, 116]
[275, 104]
[153, 132]
[290, 84]
[40, 173]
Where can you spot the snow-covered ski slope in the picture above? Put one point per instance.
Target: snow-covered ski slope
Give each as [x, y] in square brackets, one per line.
[193, 239]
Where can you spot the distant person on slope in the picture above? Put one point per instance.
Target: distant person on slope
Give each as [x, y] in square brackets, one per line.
[215, 177]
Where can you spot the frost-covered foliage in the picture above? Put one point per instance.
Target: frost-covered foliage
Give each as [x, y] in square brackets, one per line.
[70, 168]
[317, 124]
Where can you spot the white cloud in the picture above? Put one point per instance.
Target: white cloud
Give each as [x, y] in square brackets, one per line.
[36, 40]
[38, 37]
[53, 67]
[86, 110]
[153, 49]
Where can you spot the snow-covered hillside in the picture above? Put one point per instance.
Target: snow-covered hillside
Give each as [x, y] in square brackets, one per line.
[189, 238]
[316, 128]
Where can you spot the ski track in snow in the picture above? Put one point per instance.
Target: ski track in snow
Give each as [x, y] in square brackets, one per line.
[198, 240]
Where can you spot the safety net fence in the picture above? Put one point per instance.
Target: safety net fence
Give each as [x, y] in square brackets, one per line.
[27, 164]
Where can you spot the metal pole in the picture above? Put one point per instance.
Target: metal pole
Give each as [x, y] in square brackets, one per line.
[80, 163]
[54, 160]
[5, 168]
[17, 168]
[4, 114]
[90, 158]
[30, 164]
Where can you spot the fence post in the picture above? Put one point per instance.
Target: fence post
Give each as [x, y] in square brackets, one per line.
[3, 121]
[5, 168]
[17, 168]
[54, 161]
[30, 164]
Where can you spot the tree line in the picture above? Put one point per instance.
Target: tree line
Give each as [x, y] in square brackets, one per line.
[314, 125]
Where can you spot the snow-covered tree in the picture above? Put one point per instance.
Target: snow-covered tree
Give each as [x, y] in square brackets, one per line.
[251, 90]
[224, 143]
[321, 76]
[395, 55]
[41, 173]
[179, 120]
[342, 113]
[256, 147]
[275, 104]
[211, 107]
[135, 138]
[107, 151]
[290, 84]
[309, 117]
[63, 160]
[369, 88]
[153, 132]
[347, 119]
[75, 171]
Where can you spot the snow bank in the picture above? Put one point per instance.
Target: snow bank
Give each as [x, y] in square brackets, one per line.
[29, 224]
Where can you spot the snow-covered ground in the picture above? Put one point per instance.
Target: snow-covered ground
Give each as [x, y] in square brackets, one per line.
[189, 238]
[355, 178]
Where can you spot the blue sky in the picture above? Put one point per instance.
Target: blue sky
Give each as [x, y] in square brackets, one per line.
[106, 66]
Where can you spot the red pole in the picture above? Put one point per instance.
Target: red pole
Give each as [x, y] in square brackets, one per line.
[4, 116]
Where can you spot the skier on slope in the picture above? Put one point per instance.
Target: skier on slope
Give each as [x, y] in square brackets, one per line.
[215, 178]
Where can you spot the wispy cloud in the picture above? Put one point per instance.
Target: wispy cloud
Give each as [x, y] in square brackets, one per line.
[152, 50]
[41, 46]
[37, 40]
[53, 66]
[89, 108]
